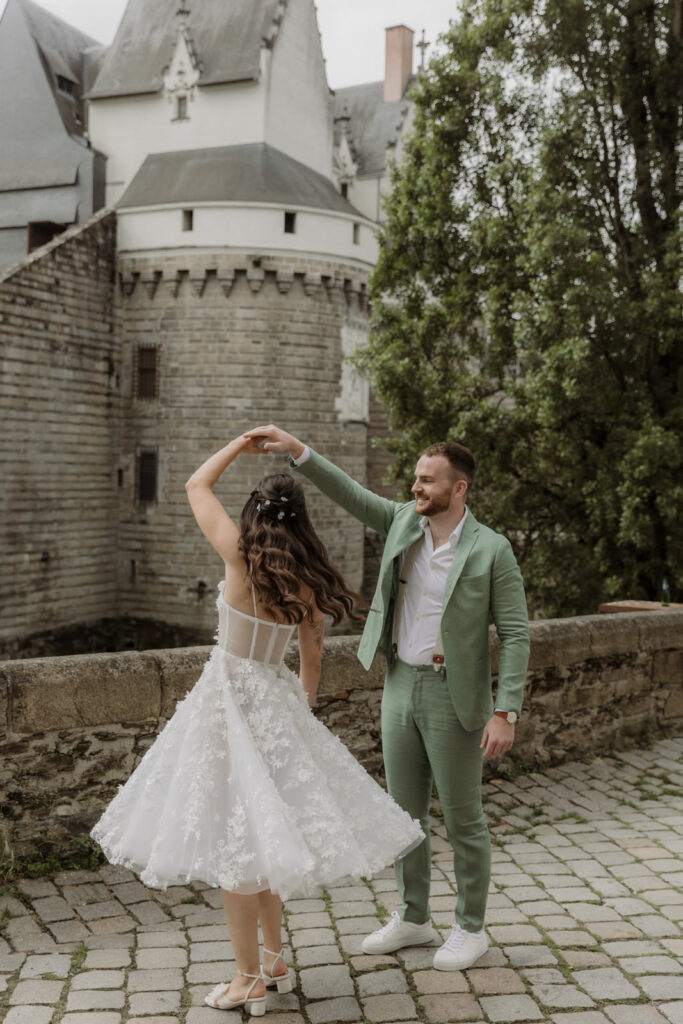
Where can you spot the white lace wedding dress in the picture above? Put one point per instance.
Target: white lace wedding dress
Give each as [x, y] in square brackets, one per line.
[245, 789]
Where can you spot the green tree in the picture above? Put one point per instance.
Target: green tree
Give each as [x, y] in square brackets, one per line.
[527, 296]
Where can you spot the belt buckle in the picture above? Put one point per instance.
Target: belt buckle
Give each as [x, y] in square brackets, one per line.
[437, 662]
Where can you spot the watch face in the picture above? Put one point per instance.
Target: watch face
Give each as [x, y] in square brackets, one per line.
[512, 717]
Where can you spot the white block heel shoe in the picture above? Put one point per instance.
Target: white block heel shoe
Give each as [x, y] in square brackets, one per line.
[283, 981]
[256, 1006]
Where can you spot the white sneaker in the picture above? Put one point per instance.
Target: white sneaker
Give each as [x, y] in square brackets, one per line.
[396, 934]
[460, 950]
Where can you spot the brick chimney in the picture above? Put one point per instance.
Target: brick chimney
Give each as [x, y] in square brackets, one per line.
[399, 61]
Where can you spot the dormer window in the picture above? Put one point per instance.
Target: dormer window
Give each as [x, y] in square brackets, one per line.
[66, 85]
[181, 108]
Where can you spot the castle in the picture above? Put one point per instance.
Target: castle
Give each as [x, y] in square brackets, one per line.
[212, 209]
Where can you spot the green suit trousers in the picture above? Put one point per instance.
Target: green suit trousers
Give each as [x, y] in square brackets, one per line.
[424, 742]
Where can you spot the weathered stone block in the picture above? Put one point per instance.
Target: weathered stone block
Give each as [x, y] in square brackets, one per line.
[660, 631]
[60, 693]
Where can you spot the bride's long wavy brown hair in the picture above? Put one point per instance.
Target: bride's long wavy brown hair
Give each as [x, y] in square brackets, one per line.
[283, 552]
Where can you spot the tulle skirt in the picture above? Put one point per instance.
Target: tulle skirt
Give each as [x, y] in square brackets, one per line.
[245, 789]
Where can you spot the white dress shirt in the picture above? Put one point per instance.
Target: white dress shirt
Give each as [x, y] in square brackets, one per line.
[423, 602]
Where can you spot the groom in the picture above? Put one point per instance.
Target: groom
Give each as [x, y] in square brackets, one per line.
[442, 576]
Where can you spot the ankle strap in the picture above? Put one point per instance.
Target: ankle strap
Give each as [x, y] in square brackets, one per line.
[278, 956]
[245, 975]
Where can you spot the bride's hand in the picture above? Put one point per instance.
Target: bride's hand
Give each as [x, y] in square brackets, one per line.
[271, 439]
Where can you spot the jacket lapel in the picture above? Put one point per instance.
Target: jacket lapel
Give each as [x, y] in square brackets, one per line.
[467, 541]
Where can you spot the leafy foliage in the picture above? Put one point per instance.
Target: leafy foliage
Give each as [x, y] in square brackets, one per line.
[527, 296]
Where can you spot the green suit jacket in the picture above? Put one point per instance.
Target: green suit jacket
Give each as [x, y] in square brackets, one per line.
[483, 582]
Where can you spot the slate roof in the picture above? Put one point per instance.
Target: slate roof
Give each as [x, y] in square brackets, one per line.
[227, 36]
[61, 47]
[248, 173]
[374, 124]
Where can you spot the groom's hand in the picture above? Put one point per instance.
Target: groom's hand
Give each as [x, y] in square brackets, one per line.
[498, 737]
[272, 439]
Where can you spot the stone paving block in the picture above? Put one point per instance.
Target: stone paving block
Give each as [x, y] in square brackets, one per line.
[515, 934]
[29, 1015]
[672, 1011]
[154, 1002]
[578, 894]
[390, 1007]
[650, 965]
[161, 939]
[431, 982]
[210, 973]
[343, 893]
[200, 952]
[96, 1017]
[503, 915]
[69, 931]
[113, 873]
[173, 895]
[77, 876]
[97, 979]
[53, 908]
[131, 892]
[580, 1017]
[450, 1007]
[326, 982]
[166, 956]
[107, 959]
[381, 983]
[149, 912]
[635, 1014]
[48, 963]
[10, 906]
[576, 937]
[543, 976]
[112, 925]
[304, 906]
[510, 1008]
[319, 919]
[358, 925]
[312, 956]
[494, 980]
[661, 987]
[364, 962]
[155, 981]
[101, 909]
[357, 908]
[563, 996]
[588, 912]
[205, 1015]
[118, 941]
[91, 892]
[37, 887]
[351, 945]
[655, 925]
[313, 937]
[529, 956]
[153, 1020]
[332, 1011]
[615, 930]
[96, 999]
[36, 992]
[11, 961]
[606, 983]
[585, 958]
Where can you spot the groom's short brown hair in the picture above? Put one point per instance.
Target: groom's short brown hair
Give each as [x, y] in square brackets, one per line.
[460, 458]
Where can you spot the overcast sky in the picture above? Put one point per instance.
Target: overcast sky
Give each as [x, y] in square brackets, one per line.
[352, 30]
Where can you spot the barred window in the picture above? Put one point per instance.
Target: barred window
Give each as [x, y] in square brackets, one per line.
[146, 476]
[146, 371]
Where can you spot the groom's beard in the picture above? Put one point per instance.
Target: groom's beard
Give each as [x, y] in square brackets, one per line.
[432, 505]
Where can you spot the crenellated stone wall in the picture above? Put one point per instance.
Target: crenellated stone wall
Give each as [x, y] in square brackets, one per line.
[240, 339]
[74, 728]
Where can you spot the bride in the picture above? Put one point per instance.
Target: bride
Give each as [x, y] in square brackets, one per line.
[244, 788]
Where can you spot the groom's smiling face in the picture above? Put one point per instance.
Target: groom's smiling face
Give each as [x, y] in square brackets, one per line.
[435, 486]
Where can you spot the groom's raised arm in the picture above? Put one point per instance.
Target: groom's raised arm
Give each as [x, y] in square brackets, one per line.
[373, 510]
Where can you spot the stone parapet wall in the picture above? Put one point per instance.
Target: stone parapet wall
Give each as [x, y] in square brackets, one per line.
[74, 728]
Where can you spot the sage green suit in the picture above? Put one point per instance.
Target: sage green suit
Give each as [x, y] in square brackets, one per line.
[432, 721]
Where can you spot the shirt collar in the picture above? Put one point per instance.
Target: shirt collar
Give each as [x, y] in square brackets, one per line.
[455, 535]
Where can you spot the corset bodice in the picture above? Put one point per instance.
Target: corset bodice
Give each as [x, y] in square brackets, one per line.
[247, 636]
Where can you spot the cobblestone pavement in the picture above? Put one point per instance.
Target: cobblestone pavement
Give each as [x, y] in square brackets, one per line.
[585, 921]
